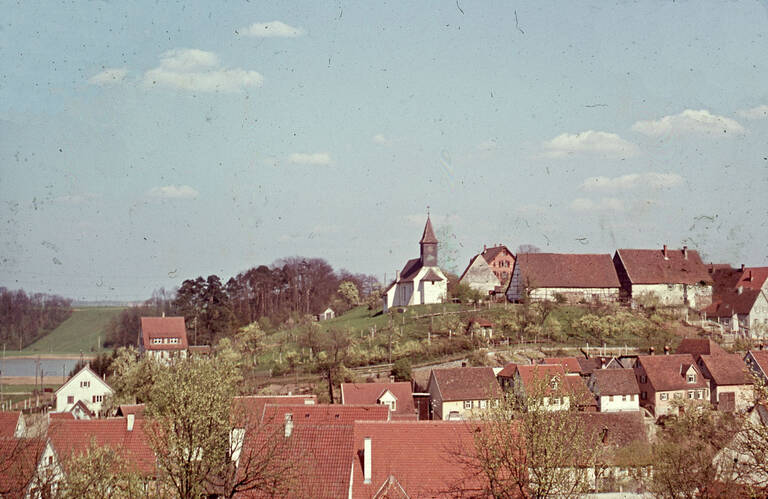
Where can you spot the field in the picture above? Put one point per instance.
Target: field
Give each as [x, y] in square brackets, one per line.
[84, 332]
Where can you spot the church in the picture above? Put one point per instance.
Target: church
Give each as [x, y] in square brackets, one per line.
[421, 281]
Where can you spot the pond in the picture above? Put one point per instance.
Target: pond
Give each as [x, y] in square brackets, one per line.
[54, 368]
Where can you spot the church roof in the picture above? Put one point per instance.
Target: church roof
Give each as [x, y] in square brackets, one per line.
[429, 234]
[431, 275]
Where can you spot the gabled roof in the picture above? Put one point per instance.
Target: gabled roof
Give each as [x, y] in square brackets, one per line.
[545, 375]
[570, 364]
[9, 421]
[164, 327]
[576, 387]
[73, 438]
[410, 269]
[370, 393]
[325, 413]
[752, 277]
[726, 369]
[606, 382]
[466, 383]
[699, 346]
[738, 301]
[319, 459]
[480, 321]
[135, 409]
[19, 459]
[250, 408]
[429, 234]
[489, 254]
[508, 371]
[613, 431]
[432, 276]
[427, 459]
[563, 270]
[85, 371]
[649, 266]
[761, 358]
[668, 372]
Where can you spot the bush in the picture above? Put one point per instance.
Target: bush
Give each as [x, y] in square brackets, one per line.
[401, 369]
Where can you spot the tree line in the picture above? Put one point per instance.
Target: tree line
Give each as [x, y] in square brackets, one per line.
[24, 318]
[288, 289]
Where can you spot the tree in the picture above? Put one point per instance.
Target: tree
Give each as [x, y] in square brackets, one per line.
[132, 378]
[525, 450]
[334, 345]
[101, 473]
[349, 293]
[401, 369]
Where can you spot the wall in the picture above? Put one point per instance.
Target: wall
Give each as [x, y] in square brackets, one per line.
[618, 404]
[744, 395]
[480, 277]
[698, 296]
[432, 292]
[73, 388]
[575, 295]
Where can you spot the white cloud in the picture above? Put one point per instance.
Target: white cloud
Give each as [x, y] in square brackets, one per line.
[200, 71]
[381, 140]
[604, 204]
[487, 145]
[632, 181]
[272, 29]
[590, 142]
[689, 121]
[756, 113]
[173, 192]
[318, 158]
[110, 76]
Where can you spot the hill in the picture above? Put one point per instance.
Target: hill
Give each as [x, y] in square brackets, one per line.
[84, 331]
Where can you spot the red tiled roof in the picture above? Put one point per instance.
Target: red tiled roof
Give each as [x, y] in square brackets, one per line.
[60, 416]
[325, 413]
[726, 369]
[508, 371]
[753, 277]
[489, 254]
[164, 327]
[563, 270]
[614, 382]
[251, 407]
[570, 364]
[466, 383]
[370, 393]
[73, 438]
[761, 357]
[429, 234]
[8, 422]
[727, 303]
[19, 458]
[480, 322]
[427, 459]
[699, 346]
[667, 372]
[648, 266]
[135, 409]
[577, 388]
[616, 430]
[318, 458]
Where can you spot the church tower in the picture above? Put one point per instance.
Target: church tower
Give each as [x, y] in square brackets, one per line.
[428, 245]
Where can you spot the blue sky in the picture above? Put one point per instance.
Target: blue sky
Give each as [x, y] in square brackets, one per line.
[142, 143]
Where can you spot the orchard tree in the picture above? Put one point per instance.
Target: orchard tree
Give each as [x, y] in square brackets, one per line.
[101, 473]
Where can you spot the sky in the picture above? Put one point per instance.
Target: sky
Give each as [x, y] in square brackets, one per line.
[143, 143]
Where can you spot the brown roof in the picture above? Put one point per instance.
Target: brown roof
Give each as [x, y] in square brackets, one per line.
[761, 357]
[370, 393]
[726, 369]
[432, 276]
[480, 322]
[425, 458]
[647, 266]
[135, 409]
[538, 373]
[577, 388]
[667, 372]
[8, 422]
[164, 327]
[250, 408]
[466, 383]
[73, 438]
[410, 269]
[753, 277]
[429, 234]
[699, 346]
[19, 458]
[489, 254]
[508, 371]
[325, 413]
[614, 431]
[614, 382]
[570, 364]
[563, 270]
[734, 301]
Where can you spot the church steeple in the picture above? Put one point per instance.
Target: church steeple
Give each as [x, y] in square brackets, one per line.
[428, 245]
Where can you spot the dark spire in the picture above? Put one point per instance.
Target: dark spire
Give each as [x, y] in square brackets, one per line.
[429, 235]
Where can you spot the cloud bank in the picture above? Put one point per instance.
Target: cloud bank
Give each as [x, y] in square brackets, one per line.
[274, 29]
[589, 143]
[199, 71]
[756, 113]
[689, 121]
[173, 192]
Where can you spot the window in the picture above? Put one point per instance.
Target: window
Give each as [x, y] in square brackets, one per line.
[467, 404]
[157, 341]
[690, 394]
[643, 379]
[678, 396]
[85, 384]
[610, 398]
[483, 404]
[644, 395]
[623, 398]
[663, 396]
[173, 341]
[70, 399]
[691, 378]
[98, 398]
[632, 397]
[698, 394]
[555, 401]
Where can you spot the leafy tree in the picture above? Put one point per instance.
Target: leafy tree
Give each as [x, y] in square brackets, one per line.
[401, 369]
[334, 345]
[101, 473]
[349, 293]
[132, 378]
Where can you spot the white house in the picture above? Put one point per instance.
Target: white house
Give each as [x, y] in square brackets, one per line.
[163, 338]
[479, 276]
[85, 386]
[616, 390]
[421, 281]
[326, 315]
[740, 301]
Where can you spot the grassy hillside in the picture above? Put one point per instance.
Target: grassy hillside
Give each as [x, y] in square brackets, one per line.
[80, 333]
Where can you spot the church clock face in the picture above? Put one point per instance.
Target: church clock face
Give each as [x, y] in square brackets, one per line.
[429, 256]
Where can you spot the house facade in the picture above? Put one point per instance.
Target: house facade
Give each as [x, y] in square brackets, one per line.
[730, 386]
[479, 276]
[163, 338]
[677, 277]
[86, 389]
[398, 396]
[462, 393]
[616, 390]
[665, 380]
[757, 362]
[563, 277]
[740, 301]
[421, 281]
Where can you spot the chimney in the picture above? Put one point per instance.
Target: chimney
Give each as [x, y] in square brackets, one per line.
[129, 419]
[749, 276]
[367, 460]
[288, 424]
[602, 362]
[742, 267]
[391, 378]
[666, 349]
[664, 251]
[397, 276]
[739, 290]
[651, 351]
[163, 315]
[463, 363]
[485, 247]
[685, 252]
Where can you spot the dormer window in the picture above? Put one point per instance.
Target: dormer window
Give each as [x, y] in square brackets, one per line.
[555, 383]
[691, 378]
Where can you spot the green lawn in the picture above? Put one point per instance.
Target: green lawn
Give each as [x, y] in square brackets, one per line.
[83, 332]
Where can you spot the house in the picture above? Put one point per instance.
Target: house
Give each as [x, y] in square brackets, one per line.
[479, 276]
[581, 397]
[461, 392]
[414, 459]
[730, 386]
[570, 364]
[757, 361]
[398, 396]
[699, 346]
[501, 261]
[327, 314]
[421, 281]
[559, 276]
[163, 338]
[482, 328]
[84, 392]
[125, 409]
[674, 277]
[665, 380]
[29, 468]
[616, 390]
[320, 414]
[12, 424]
[740, 301]
[539, 386]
